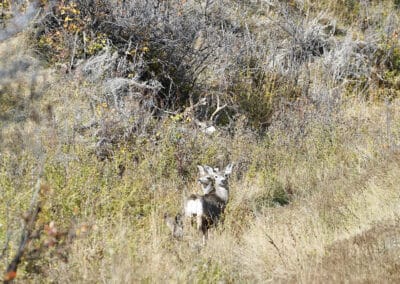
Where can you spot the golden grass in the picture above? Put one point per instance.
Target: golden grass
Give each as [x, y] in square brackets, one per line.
[340, 193]
[340, 179]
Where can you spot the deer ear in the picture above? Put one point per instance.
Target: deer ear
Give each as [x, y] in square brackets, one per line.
[201, 170]
[209, 170]
[228, 169]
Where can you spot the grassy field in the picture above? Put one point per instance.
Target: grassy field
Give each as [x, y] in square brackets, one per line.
[313, 199]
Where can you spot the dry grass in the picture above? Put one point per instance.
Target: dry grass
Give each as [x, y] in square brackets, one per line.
[341, 218]
[314, 200]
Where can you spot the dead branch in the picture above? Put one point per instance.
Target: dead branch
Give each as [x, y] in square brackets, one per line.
[26, 234]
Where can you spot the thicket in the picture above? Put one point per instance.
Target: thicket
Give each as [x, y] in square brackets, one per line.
[214, 60]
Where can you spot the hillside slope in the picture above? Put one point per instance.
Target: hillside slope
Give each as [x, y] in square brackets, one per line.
[104, 154]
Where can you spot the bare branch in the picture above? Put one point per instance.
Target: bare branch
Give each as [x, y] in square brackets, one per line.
[218, 109]
[27, 230]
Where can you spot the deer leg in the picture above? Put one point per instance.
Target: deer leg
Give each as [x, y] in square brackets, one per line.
[199, 220]
[205, 236]
[203, 228]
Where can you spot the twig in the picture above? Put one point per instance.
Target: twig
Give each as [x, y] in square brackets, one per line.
[26, 232]
[27, 229]
[73, 52]
[271, 241]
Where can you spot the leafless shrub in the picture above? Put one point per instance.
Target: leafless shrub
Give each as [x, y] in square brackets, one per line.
[351, 59]
[160, 58]
[295, 38]
[99, 66]
[19, 20]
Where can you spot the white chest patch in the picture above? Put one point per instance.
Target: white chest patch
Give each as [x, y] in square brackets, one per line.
[222, 193]
[193, 207]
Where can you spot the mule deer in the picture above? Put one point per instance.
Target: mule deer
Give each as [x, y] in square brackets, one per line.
[205, 179]
[175, 224]
[209, 207]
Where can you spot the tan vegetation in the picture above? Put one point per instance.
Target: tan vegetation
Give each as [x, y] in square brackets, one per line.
[304, 99]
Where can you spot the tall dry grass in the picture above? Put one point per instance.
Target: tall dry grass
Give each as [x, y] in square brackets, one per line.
[341, 183]
[314, 199]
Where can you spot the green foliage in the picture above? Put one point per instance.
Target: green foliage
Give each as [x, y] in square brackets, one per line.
[95, 44]
[211, 272]
[259, 94]
[275, 193]
[393, 62]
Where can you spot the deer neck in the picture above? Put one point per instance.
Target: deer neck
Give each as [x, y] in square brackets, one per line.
[222, 192]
